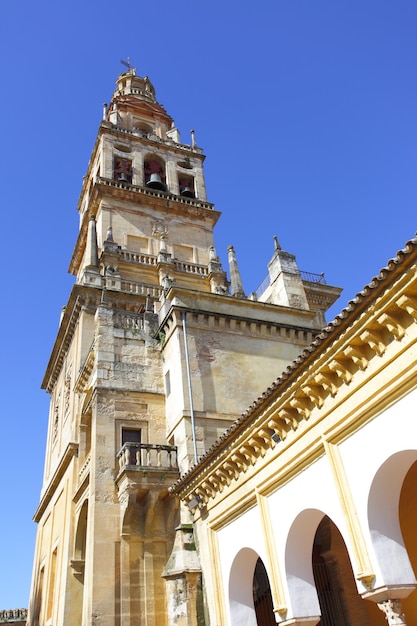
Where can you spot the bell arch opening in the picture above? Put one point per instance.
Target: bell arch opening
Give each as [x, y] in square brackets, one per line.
[155, 174]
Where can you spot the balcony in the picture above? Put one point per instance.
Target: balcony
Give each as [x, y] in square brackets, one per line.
[148, 456]
[144, 466]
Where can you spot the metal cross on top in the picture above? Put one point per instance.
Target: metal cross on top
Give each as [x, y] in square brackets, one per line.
[126, 63]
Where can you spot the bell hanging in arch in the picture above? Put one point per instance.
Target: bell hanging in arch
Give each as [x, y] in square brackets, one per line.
[155, 182]
[187, 192]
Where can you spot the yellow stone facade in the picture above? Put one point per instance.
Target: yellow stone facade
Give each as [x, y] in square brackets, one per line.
[310, 496]
[156, 355]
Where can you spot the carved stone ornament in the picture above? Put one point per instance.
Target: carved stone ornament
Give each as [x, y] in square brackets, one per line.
[159, 229]
[393, 612]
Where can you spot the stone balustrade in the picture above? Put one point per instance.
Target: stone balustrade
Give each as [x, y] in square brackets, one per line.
[190, 268]
[147, 456]
[141, 289]
[138, 257]
[155, 193]
[13, 615]
[128, 321]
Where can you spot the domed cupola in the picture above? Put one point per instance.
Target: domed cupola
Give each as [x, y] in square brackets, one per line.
[134, 107]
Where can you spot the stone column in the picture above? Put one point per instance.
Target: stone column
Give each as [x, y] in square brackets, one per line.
[172, 178]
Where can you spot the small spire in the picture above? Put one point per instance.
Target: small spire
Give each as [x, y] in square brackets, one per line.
[276, 243]
[235, 279]
[193, 143]
[109, 234]
[105, 109]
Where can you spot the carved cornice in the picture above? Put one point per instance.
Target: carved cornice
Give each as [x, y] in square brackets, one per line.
[225, 313]
[379, 315]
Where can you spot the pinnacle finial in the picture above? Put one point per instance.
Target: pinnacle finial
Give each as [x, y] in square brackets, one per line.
[109, 234]
[235, 279]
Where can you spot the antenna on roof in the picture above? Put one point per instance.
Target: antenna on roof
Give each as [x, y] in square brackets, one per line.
[126, 63]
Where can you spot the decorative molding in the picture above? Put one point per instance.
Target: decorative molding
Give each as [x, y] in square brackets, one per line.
[364, 567]
[278, 593]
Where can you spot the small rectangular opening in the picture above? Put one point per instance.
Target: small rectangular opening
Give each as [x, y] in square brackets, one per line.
[131, 435]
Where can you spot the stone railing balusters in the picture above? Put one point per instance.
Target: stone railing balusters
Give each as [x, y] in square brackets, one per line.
[147, 455]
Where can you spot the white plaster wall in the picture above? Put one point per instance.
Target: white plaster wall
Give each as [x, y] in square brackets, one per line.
[243, 533]
[393, 432]
[311, 495]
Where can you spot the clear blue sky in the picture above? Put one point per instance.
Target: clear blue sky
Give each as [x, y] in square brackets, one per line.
[306, 110]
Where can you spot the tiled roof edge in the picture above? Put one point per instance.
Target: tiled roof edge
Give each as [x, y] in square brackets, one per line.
[342, 318]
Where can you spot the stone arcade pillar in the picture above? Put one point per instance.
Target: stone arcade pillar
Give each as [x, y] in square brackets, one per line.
[388, 599]
[393, 612]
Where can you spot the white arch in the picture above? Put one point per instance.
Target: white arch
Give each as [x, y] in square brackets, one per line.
[384, 522]
[299, 564]
[241, 605]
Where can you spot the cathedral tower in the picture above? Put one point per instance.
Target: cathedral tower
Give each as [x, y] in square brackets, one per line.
[156, 354]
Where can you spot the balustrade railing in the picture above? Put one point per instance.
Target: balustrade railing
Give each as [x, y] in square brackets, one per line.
[313, 278]
[13, 615]
[141, 289]
[166, 195]
[191, 268]
[138, 257]
[309, 277]
[128, 321]
[262, 287]
[146, 456]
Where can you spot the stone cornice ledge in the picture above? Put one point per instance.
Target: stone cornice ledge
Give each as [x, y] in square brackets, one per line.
[377, 316]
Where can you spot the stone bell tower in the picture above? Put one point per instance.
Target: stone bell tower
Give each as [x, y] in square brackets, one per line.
[155, 355]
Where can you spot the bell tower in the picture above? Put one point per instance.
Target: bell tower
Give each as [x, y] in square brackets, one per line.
[147, 190]
[156, 354]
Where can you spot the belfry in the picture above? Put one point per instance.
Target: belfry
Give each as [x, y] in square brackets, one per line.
[156, 355]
